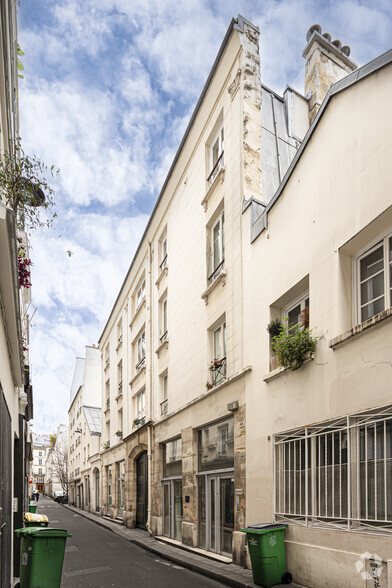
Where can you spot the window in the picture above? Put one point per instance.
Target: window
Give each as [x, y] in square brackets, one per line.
[297, 312]
[119, 332]
[312, 465]
[120, 420]
[163, 254]
[165, 400]
[119, 377]
[218, 368]
[164, 320]
[40, 470]
[107, 356]
[141, 351]
[216, 446]
[40, 453]
[40, 462]
[374, 279]
[216, 249]
[107, 395]
[172, 458]
[141, 405]
[216, 155]
[140, 294]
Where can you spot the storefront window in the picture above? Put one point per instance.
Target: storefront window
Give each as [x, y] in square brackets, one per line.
[216, 446]
[172, 459]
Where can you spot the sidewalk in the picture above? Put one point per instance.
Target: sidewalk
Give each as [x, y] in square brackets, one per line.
[227, 573]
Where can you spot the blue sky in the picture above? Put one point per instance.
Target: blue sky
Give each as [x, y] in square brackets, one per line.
[108, 90]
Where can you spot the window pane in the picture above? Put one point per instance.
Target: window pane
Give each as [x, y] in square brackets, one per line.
[172, 459]
[372, 288]
[293, 316]
[217, 344]
[216, 446]
[372, 309]
[372, 263]
[217, 244]
[215, 152]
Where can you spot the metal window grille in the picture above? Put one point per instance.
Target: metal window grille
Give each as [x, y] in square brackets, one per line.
[337, 473]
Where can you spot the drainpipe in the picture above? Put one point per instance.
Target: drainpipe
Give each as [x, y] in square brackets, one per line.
[276, 138]
[149, 449]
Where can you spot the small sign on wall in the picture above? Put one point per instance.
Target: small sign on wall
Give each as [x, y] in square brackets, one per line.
[15, 505]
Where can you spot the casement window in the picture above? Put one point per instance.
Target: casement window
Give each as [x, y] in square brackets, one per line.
[216, 155]
[141, 350]
[119, 377]
[218, 367]
[163, 253]
[337, 473]
[140, 294]
[141, 404]
[164, 320]
[297, 312]
[165, 393]
[107, 356]
[216, 249]
[374, 279]
[119, 332]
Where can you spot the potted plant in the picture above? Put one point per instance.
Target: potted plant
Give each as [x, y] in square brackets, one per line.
[274, 329]
[106, 445]
[294, 346]
[215, 364]
[209, 385]
[119, 433]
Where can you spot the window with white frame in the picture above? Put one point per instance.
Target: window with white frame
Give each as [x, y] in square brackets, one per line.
[164, 320]
[218, 364]
[141, 405]
[297, 312]
[337, 472]
[107, 356]
[140, 294]
[163, 253]
[165, 394]
[119, 332]
[141, 350]
[216, 154]
[216, 248]
[374, 279]
[119, 378]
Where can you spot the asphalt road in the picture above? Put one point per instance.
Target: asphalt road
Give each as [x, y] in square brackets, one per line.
[96, 557]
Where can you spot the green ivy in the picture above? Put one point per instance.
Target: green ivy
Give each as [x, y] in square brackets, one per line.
[293, 346]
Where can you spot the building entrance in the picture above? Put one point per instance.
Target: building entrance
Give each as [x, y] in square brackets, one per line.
[141, 490]
[216, 512]
[172, 509]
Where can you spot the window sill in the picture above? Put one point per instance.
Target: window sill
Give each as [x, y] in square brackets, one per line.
[162, 346]
[137, 311]
[358, 329]
[221, 278]
[119, 344]
[211, 189]
[134, 379]
[280, 370]
[161, 276]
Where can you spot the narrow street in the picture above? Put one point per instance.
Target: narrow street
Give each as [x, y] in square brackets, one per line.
[95, 557]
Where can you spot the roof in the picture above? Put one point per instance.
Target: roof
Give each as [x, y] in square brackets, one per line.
[340, 86]
[93, 417]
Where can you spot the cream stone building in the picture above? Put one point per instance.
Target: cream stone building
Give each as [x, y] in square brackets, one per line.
[40, 446]
[274, 207]
[84, 430]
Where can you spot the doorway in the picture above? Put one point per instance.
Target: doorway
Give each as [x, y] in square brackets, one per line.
[5, 493]
[216, 512]
[141, 490]
[120, 475]
[172, 509]
[96, 477]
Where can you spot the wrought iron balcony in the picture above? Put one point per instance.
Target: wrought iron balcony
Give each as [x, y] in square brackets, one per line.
[140, 363]
[218, 371]
[216, 271]
[164, 407]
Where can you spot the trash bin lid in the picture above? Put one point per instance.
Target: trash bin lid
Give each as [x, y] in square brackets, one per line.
[30, 517]
[265, 527]
[42, 532]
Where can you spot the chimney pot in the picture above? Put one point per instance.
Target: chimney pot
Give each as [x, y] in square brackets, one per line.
[310, 32]
[346, 50]
[327, 36]
[337, 43]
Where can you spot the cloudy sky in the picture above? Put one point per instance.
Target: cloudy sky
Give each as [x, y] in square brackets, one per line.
[108, 89]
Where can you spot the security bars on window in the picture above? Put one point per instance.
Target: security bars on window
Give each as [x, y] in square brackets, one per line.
[337, 473]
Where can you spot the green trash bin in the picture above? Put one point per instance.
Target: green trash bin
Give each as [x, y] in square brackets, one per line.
[41, 556]
[33, 508]
[35, 520]
[267, 554]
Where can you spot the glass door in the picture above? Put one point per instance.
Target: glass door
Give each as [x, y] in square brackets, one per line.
[172, 509]
[120, 471]
[216, 512]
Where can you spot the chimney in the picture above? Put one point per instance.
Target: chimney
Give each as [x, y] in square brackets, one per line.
[326, 63]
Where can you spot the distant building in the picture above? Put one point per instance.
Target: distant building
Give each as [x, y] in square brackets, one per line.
[85, 432]
[40, 446]
[56, 464]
